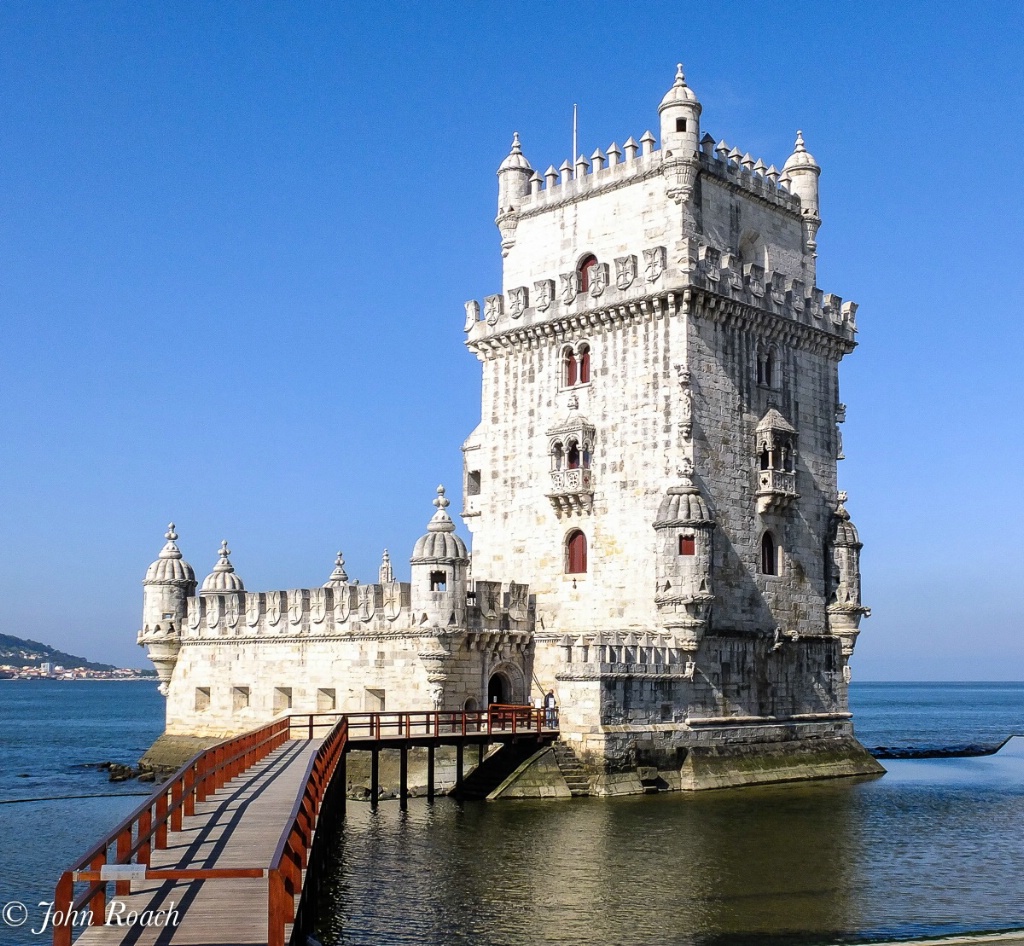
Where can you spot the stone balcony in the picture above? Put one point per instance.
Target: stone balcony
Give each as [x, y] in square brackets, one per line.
[776, 489]
[571, 491]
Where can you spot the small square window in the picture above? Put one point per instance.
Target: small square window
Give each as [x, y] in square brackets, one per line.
[438, 581]
[473, 483]
[202, 699]
[239, 698]
[687, 545]
[680, 124]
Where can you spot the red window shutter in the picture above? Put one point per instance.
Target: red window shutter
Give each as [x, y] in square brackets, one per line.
[687, 545]
[585, 366]
[570, 369]
[577, 553]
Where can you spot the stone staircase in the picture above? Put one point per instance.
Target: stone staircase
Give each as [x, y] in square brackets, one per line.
[572, 770]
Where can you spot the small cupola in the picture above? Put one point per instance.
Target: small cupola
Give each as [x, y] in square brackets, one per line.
[339, 576]
[514, 174]
[440, 562]
[170, 566]
[803, 172]
[679, 112]
[222, 580]
[440, 544]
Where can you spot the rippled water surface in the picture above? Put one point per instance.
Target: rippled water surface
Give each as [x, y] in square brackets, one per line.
[934, 847]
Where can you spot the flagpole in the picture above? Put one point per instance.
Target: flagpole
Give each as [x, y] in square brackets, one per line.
[573, 155]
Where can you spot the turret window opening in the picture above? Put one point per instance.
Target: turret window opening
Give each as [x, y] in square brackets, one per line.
[771, 553]
[557, 456]
[573, 456]
[576, 553]
[687, 545]
[680, 124]
[787, 458]
[585, 457]
[586, 265]
[438, 581]
[767, 369]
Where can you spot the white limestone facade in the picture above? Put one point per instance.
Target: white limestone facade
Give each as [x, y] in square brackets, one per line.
[657, 532]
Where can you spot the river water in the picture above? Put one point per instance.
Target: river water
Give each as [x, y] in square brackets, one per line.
[934, 847]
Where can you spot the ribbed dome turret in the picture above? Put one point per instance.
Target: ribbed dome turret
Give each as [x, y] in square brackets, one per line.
[170, 566]
[680, 93]
[222, 579]
[800, 158]
[846, 531]
[339, 576]
[440, 544]
[683, 505]
[516, 159]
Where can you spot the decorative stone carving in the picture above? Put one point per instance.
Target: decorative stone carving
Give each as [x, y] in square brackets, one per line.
[518, 300]
[296, 606]
[753, 278]
[733, 270]
[840, 419]
[367, 602]
[795, 295]
[598, 279]
[274, 607]
[494, 308]
[710, 264]
[570, 287]
[318, 605]
[654, 263]
[685, 403]
[231, 611]
[253, 609]
[544, 294]
[518, 601]
[488, 598]
[625, 271]
[342, 603]
[392, 596]
[472, 314]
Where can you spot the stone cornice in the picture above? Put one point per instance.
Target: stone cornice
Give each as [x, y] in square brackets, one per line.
[699, 303]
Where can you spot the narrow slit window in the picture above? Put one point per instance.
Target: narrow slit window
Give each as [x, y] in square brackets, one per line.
[769, 555]
[571, 369]
[584, 363]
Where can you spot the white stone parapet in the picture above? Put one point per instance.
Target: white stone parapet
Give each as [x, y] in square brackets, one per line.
[352, 609]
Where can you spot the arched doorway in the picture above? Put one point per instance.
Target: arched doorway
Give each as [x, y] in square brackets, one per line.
[499, 689]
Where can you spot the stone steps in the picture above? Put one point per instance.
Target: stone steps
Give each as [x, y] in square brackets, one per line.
[572, 771]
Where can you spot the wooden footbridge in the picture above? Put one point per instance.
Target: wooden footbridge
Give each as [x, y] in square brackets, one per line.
[218, 854]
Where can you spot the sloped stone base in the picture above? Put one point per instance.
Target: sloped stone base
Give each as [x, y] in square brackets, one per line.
[170, 752]
[707, 767]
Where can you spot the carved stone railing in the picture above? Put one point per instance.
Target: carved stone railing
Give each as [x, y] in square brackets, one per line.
[571, 491]
[775, 489]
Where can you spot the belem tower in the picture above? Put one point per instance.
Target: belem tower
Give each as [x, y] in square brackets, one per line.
[657, 533]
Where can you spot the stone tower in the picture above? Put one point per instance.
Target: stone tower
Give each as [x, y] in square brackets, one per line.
[658, 444]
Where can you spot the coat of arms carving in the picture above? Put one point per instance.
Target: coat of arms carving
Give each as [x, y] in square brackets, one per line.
[544, 294]
[570, 287]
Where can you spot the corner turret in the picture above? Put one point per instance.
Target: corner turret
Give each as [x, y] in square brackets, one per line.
[845, 609]
[439, 565]
[514, 175]
[683, 594]
[680, 118]
[802, 172]
[170, 581]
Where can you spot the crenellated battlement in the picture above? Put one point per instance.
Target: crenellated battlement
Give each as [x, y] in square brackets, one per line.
[355, 609]
[617, 167]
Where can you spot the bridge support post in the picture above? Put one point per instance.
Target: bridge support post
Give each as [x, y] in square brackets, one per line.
[341, 776]
[374, 777]
[430, 773]
[458, 770]
[403, 779]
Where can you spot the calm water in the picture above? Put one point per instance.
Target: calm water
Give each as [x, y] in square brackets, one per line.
[936, 846]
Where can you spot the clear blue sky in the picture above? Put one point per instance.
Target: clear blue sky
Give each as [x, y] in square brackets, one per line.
[235, 240]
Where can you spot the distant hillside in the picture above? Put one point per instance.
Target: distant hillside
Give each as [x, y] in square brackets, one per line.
[19, 652]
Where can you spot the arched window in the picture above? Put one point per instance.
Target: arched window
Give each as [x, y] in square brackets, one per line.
[576, 553]
[585, 457]
[572, 456]
[570, 368]
[557, 457]
[584, 363]
[586, 265]
[769, 555]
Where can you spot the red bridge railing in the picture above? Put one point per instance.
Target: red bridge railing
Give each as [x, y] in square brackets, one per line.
[124, 854]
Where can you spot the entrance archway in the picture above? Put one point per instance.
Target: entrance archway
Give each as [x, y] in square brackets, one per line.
[499, 689]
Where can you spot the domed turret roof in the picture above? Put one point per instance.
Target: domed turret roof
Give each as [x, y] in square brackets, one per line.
[846, 531]
[680, 93]
[683, 505]
[170, 566]
[516, 159]
[440, 544]
[222, 579]
[339, 576]
[800, 158]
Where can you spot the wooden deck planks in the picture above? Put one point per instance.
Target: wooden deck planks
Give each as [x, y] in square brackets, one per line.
[238, 827]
